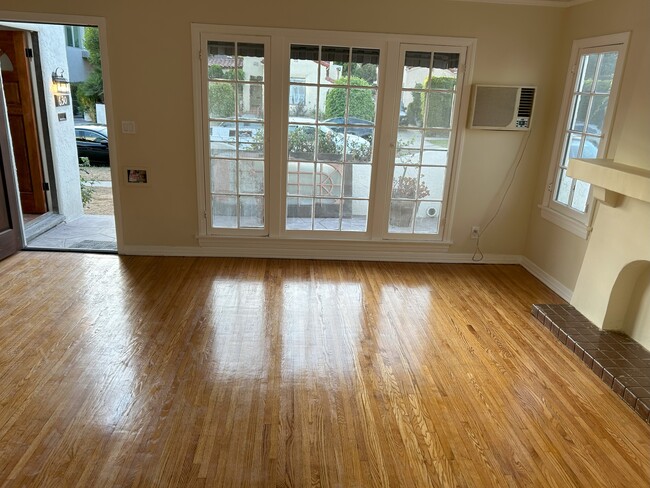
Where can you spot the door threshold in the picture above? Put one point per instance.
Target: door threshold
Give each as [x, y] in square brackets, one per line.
[41, 225]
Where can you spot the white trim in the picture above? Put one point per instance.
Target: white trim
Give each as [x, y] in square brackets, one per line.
[576, 227]
[564, 292]
[278, 252]
[100, 22]
[533, 3]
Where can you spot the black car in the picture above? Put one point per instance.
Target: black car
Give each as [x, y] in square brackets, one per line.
[92, 143]
[355, 126]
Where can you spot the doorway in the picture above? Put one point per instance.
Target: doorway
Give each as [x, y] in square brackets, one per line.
[54, 90]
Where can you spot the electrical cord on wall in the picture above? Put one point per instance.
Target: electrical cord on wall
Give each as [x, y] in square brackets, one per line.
[478, 254]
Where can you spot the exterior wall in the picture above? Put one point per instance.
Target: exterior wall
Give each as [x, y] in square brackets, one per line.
[77, 65]
[51, 40]
[304, 71]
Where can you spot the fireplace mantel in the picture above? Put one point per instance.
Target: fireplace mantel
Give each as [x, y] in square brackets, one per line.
[611, 179]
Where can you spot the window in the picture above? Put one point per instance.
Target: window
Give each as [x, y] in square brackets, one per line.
[425, 126]
[74, 36]
[586, 118]
[297, 96]
[290, 122]
[329, 160]
[235, 109]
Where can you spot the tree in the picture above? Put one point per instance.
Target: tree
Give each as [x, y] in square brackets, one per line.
[361, 104]
[221, 100]
[91, 92]
[440, 107]
[366, 72]
[217, 72]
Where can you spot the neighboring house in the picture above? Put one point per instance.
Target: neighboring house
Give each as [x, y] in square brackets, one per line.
[78, 65]
[302, 98]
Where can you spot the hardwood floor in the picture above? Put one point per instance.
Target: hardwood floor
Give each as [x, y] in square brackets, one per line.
[153, 372]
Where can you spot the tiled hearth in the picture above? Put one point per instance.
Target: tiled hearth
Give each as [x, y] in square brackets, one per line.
[622, 363]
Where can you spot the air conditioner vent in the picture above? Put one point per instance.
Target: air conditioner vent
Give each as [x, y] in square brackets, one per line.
[498, 107]
[526, 102]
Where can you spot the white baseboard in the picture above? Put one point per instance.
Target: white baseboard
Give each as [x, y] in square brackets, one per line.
[547, 279]
[319, 253]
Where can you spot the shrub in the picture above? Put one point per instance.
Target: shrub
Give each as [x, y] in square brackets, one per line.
[361, 104]
[439, 114]
[221, 100]
[87, 188]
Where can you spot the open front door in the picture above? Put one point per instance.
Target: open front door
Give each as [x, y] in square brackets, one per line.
[10, 230]
[22, 121]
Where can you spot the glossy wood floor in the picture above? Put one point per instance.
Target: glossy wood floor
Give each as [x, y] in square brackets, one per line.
[186, 372]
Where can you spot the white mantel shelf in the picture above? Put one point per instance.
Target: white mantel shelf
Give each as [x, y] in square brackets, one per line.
[612, 179]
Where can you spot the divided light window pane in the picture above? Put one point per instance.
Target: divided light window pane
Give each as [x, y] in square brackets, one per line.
[332, 114]
[235, 98]
[424, 129]
[584, 135]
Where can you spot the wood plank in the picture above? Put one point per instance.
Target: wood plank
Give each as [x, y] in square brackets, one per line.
[144, 371]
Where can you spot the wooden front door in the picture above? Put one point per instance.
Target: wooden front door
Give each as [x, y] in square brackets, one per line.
[22, 121]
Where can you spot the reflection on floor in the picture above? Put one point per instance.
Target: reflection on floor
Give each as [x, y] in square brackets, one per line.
[93, 232]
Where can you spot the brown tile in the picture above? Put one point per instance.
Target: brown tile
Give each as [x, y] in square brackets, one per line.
[555, 329]
[642, 381]
[562, 336]
[548, 322]
[587, 359]
[607, 377]
[632, 394]
[570, 343]
[619, 387]
[597, 368]
[643, 408]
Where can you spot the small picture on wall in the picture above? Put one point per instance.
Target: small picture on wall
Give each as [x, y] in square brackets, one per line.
[136, 176]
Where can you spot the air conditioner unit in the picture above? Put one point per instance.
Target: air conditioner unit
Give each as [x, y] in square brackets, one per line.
[496, 107]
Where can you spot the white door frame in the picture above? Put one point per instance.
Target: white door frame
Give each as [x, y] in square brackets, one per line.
[100, 22]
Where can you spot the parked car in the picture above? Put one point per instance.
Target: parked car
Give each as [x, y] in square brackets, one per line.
[92, 143]
[331, 144]
[225, 131]
[589, 149]
[361, 131]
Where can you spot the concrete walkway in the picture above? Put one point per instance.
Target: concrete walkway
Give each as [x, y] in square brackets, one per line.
[89, 232]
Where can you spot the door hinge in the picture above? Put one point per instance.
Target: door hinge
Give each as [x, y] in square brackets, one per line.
[29, 52]
[46, 186]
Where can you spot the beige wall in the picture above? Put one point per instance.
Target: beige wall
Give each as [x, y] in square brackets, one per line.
[151, 79]
[553, 249]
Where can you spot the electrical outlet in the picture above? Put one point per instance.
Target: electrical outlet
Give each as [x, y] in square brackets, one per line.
[476, 232]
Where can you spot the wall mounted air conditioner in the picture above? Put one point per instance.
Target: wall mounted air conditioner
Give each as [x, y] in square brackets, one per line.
[496, 107]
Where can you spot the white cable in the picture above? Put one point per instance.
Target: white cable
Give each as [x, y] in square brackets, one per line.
[478, 254]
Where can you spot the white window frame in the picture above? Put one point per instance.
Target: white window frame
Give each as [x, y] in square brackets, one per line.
[276, 124]
[455, 133]
[574, 221]
[205, 142]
